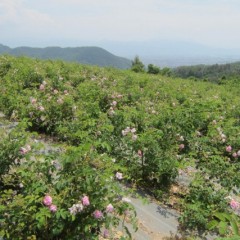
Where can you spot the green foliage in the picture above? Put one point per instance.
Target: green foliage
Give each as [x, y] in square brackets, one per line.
[166, 71]
[137, 65]
[227, 224]
[152, 69]
[214, 73]
[200, 204]
[147, 127]
[222, 221]
[67, 180]
[10, 145]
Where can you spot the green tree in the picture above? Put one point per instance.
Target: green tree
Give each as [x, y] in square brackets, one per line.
[152, 69]
[137, 65]
[166, 71]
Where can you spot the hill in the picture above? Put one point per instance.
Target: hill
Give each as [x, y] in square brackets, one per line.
[85, 55]
[214, 73]
[114, 126]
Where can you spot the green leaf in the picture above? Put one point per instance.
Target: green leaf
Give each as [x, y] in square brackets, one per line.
[211, 225]
[227, 216]
[73, 217]
[234, 227]
[63, 214]
[128, 232]
[222, 227]
[220, 216]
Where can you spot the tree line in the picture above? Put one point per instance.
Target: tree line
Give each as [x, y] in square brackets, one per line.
[213, 73]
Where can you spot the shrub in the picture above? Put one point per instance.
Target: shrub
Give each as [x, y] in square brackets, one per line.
[137, 65]
[61, 198]
[152, 69]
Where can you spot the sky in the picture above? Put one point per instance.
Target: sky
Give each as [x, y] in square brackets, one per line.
[86, 22]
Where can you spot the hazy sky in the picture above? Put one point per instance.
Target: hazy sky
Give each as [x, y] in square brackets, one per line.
[70, 22]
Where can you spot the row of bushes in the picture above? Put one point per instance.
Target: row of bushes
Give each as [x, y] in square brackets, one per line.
[150, 126]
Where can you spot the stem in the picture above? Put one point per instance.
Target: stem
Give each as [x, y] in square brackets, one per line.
[142, 166]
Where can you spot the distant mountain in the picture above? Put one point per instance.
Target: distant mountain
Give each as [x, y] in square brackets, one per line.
[85, 55]
[172, 53]
[167, 48]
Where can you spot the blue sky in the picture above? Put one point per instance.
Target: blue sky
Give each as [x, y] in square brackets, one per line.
[76, 22]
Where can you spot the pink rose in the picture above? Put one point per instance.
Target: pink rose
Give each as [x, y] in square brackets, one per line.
[140, 154]
[109, 208]
[234, 204]
[119, 175]
[41, 108]
[97, 214]
[23, 150]
[106, 233]
[33, 100]
[238, 153]
[85, 201]
[114, 103]
[181, 146]
[124, 133]
[28, 147]
[47, 200]
[133, 130]
[134, 137]
[60, 101]
[53, 208]
[228, 148]
[42, 87]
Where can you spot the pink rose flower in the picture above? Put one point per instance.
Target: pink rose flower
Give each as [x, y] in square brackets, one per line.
[223, 135]
[23, 150]
[47, 200]
[234, 204]
[60, 101]
[106, 233]
[134, 137]
[119, 175]
[41, 108]
[238, 153]
[85, 201]
[114, 103]
[181, 146]
[53, 208]
[33, 100]
[124, 133]
[140, 154]
[119, 96]
[97, 214]
[42, 87]
[109, 208]
[228, 148]
[28, 147]
[133, 130]
[235, 155]
[214, 122]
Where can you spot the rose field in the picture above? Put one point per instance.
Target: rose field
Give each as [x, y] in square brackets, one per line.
[110, 129]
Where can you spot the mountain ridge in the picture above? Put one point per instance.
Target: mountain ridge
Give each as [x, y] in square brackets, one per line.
[85, 55]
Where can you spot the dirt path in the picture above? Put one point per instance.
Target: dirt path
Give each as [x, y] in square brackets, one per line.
[155, 222]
